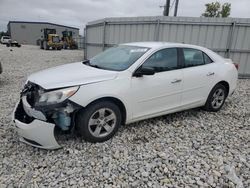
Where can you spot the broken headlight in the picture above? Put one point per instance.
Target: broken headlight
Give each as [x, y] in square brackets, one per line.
[56, 96]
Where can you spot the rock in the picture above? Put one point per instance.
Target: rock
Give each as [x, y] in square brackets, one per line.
[69, 172]
[165, 181]
[135, 183]
[117, 154]
[162, 155]
[105, 159]
[144, 174]
[210, 180]
[200, 183]
[165, 170]
[234, 178]
[106, 175]
[72, 182]
[216, 173]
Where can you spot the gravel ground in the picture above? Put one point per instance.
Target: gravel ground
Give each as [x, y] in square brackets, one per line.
[187, 149]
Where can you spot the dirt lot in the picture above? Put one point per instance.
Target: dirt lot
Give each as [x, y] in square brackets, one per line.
[187, 149]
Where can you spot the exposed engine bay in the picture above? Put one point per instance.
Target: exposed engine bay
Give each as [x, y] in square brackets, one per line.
[34, 108]
[59, 114]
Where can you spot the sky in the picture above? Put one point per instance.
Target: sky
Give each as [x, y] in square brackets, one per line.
[77, 13]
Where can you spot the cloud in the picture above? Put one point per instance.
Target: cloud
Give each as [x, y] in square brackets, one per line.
[77, 13]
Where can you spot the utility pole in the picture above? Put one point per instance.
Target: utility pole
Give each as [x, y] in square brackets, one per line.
[166, 8]
[176, 7]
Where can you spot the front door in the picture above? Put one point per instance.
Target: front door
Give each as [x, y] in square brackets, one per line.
[161, 92]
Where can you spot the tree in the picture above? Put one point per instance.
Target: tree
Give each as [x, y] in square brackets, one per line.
[226, 9]
[2, 33]
[215, 9]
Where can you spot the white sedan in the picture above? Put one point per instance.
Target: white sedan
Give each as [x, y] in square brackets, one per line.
[124, 84]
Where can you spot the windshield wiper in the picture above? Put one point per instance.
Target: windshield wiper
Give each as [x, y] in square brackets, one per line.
[96, 66]
[88, 63]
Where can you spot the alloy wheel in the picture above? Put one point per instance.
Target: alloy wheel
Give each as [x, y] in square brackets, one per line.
[102, 122]
[218, 98]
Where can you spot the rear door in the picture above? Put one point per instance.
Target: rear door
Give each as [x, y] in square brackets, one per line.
[198, 77]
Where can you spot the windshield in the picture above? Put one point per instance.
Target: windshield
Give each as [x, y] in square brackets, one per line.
[118, 58]
[56, 39]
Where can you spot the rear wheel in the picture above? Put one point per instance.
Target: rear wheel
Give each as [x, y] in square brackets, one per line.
[216, 98]
[99, 121]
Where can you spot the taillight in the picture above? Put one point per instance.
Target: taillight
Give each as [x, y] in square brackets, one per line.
[236, 66]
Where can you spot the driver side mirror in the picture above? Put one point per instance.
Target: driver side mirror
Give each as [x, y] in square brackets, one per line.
[144, 71]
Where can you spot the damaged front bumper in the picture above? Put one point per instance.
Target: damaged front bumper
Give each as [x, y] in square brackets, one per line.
[38, 134]
[32, 126]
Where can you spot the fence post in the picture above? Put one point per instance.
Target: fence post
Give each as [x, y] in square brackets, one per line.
[103, 36]
[157, 30]
[230, 39]
[85, 43]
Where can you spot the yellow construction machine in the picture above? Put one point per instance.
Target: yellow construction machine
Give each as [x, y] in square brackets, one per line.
[68, 41]
[50, 40]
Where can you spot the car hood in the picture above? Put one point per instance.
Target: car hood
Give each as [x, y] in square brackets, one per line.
[70, 75]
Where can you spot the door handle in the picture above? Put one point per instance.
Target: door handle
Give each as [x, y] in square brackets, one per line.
[176, 81]
[210, 73]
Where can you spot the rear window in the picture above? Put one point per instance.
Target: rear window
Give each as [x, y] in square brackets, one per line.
[207, 59]
[193, 57]
[6, 37]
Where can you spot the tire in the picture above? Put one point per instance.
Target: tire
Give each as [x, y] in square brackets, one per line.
[45, 46]
[41, 45]
[216, 98]
[92, 123]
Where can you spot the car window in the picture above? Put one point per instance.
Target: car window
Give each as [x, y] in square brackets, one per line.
[207, 59]
[163, 60]
[55, 39]
[193, 57]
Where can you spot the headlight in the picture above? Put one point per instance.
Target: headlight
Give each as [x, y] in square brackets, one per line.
[57, 96]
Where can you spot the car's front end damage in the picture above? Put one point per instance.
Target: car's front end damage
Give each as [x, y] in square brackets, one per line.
[39, 112]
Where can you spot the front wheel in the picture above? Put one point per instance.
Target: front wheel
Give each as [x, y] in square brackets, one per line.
[216, 98]
[45, 45]
[99, 121]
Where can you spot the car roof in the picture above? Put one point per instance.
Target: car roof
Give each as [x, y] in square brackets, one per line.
[156, 45]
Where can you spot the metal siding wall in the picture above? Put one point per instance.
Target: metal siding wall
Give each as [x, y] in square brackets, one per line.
[80, 42]
[218, 34]
[95, 35]
[29, 33]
